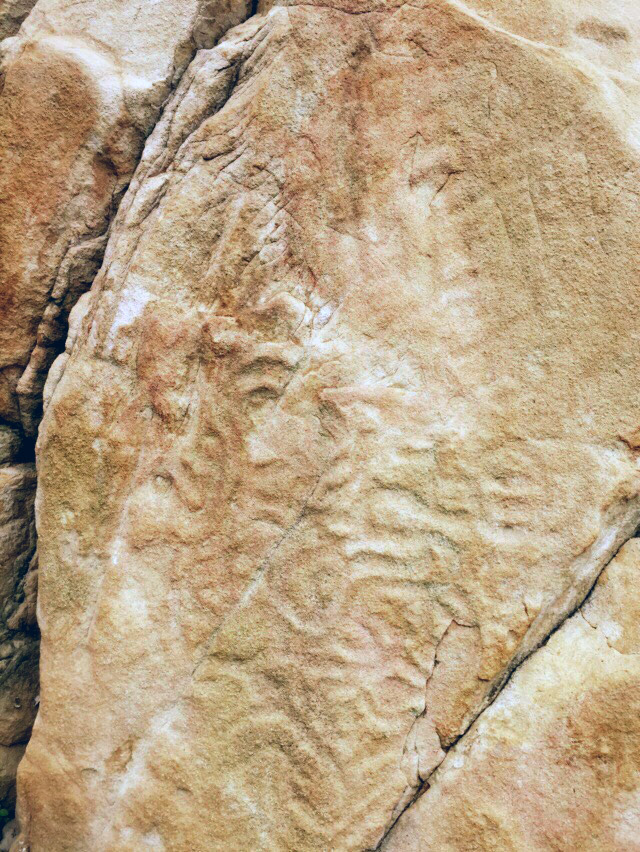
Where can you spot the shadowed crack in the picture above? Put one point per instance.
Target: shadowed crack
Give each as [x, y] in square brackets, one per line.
[603, 551]
[74, 275]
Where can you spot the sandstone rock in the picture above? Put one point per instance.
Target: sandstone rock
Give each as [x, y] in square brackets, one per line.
[343, 431]
[554, 763]
[81, 87]
[10, 444]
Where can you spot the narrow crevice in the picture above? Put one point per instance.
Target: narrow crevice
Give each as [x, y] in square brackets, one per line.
[75, 276]
[501, 684]
[21, 448]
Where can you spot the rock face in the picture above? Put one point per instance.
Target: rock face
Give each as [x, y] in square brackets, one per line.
[81, 87]
[18, 629]
[347, 425]
[554, 763]
[12, 14]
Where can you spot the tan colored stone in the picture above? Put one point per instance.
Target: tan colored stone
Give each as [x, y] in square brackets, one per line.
[82, 85]
[554, 764]
[338, 442]
[614, 609]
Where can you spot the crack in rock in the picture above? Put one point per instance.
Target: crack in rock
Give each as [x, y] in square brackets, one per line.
[604, 550]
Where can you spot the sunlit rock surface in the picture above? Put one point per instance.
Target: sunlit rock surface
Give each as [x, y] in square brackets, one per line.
[81, 86]
[555, 762]
[346, 427]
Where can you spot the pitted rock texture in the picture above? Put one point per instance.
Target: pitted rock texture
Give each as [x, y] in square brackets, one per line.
[345, 428]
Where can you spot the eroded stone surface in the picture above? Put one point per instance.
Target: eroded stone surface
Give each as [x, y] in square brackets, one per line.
[81, 86]
[18, 630]
[555, 762]
[12, 14]
[347, 429]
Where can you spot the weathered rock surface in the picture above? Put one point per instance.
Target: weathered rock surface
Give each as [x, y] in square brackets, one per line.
[347, 425]
[81, 87]
[18, 629]
[555, 762]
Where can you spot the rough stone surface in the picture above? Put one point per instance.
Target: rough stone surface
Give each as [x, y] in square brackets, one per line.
[81, 86]
[12, 14]
[347, 425]
[555, 762]
[18, 629]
